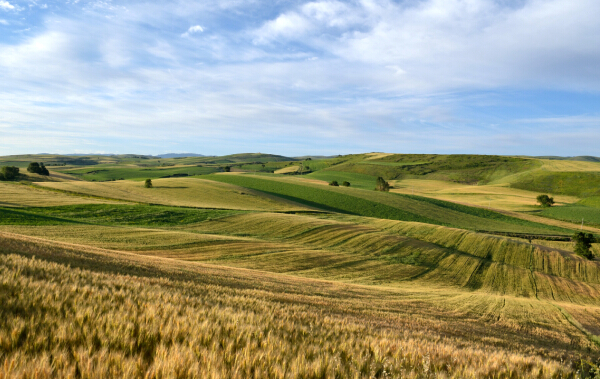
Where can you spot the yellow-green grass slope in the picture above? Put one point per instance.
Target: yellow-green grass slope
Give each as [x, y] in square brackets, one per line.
[21, 195]
[181, 192]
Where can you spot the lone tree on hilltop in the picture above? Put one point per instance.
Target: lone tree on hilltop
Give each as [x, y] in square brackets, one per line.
[583, 243]
[9, 172]
[382, 185]
[148, 183]
[38, 168]
[545, 200]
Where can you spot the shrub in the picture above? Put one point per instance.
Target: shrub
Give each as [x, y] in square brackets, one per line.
[334, 183]
[382, 185]
[9, 172]
[148, 183]
[583, 243]
[227, 169]
[346, 184]
[545, 200]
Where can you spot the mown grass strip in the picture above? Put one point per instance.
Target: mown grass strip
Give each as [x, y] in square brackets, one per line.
[390, 206]
[110, 214]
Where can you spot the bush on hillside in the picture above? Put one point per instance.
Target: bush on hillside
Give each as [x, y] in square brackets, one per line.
[583, 243]
[382, 185]
[227, 169]
[545, 200]
[38, 168]
[148, 183]
[9, 172]
[334, 183]
[346, 184]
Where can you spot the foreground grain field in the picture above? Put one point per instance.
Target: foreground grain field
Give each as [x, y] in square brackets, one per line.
[109, 313]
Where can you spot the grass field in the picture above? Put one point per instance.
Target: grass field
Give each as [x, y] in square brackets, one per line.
[282, 276]
[20, 195]
[493, 196]
[386, 205]
[186, 192]
[480, 331]
[209, 321]
[355, 180]
[108, 172]
[574, 213]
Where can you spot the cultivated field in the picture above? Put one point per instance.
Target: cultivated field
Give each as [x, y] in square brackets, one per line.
[260, 275]
[492, 196]
[181, 192]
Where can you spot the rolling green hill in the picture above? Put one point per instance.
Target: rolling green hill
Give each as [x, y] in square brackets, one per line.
[254, 274]
[387, 205]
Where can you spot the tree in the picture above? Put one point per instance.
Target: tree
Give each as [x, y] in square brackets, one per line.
[9, 172]
[227, 169]
[44, 170]
[148, 183]
[545, 200]
[33, 167]
[38, 168]
[334, 183]
[382, 185]
[346, 184]
[583, 243]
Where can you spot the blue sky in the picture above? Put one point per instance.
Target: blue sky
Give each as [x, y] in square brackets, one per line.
[298, 77]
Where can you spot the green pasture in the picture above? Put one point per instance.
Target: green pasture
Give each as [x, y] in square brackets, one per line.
[109, 214]
[388, 205]
[573, 213]
[355, 180]
[581, 184]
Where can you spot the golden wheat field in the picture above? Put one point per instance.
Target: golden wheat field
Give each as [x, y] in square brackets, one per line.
[280, 291]
[493, 196]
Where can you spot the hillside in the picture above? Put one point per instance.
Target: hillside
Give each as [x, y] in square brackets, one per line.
[254, 274]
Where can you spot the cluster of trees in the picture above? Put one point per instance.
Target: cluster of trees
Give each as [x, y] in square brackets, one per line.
[9, 173]
[336, 184]
[545, 200]
[38, 168]
[583, 243]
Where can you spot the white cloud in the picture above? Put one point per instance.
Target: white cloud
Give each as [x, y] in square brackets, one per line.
[192, 30]
[6, 5]
[3, 22]
[335, 73]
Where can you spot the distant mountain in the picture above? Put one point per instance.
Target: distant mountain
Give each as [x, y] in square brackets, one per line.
[183, 155]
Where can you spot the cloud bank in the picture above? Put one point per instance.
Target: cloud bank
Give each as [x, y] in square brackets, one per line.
[446, 76]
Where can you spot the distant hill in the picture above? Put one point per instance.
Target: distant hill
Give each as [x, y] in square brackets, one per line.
[250, 158]
[182, 155]
[582, 158]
